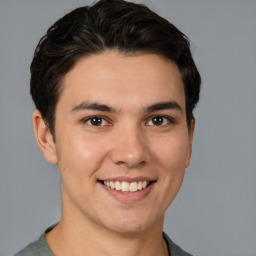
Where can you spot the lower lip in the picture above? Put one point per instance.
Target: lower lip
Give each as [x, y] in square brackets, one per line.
[129, 197]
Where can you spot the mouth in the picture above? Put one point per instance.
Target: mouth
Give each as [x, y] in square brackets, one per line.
[128, 190]
[127, 187]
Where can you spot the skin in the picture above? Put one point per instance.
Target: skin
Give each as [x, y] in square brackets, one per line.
[126, 144]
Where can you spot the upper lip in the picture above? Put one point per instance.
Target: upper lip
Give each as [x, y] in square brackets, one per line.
[129, 179]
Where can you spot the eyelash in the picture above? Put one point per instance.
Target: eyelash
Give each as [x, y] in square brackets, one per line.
[102, 119]
[166, 120]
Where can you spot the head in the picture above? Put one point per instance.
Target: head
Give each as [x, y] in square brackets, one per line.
[115, 86]
[131, 29]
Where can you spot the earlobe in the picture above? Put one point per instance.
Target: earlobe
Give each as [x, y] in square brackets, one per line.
[44, 138]
[191, 135]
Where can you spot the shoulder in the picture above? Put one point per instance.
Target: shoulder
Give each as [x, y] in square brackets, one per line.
[30, 250]
[173, 248]
[37, 248]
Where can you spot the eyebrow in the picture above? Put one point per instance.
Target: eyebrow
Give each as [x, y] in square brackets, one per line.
[94, 106]
[105, 108]
[164, 105]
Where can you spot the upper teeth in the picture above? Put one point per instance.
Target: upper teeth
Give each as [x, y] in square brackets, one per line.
[126, 186]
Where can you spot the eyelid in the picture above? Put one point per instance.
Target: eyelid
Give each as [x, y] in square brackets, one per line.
[85, 120]
[169, 119]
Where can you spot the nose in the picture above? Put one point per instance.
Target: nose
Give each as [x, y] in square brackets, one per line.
[130, 148]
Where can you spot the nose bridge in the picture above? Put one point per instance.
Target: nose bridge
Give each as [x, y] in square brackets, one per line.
[130, 147]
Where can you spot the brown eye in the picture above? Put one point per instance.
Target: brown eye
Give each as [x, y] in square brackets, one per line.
[96, 121]
[159, 121]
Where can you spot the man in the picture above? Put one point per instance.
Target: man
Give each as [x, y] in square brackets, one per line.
[114, 87]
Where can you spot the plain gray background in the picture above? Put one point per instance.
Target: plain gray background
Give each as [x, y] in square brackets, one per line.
[215, 211]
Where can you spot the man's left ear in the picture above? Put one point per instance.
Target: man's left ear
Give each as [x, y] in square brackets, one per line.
[191, 134]
[44, 138]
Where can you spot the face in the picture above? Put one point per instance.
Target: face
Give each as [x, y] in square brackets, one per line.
[121, 140]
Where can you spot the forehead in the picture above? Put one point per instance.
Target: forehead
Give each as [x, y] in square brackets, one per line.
[114, 78]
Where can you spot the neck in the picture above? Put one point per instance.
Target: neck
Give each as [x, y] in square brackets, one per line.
[77, 234]
[69, 238]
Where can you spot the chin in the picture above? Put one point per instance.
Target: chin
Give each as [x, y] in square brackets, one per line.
[130, 225]
[129, 229]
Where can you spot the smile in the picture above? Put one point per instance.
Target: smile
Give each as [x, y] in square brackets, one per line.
[125, 186]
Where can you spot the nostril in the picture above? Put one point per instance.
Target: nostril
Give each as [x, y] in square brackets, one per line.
[132, 164]
[130, 150]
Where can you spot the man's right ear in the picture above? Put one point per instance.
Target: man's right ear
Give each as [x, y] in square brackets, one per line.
[44, 138]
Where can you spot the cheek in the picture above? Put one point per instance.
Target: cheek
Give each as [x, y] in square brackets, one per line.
[172, 154]
[80, 157]
[172, 157]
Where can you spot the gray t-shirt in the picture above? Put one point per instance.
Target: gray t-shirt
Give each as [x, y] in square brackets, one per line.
[41, 248]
